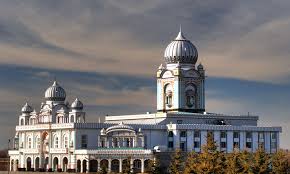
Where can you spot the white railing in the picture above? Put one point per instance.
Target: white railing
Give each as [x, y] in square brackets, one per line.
[115, 151]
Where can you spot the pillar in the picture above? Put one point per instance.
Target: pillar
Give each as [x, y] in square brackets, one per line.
[81, 166]
[230, 142]
[142, 165]
[217, 138]
[131, 164]
[120, 165]
[109, 165]
[88, 166]
[99, 165]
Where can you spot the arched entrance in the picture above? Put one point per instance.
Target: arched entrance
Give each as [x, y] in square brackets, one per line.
[37, 163]
[148, 164]
[93, 166]
[104, 164]
[12, 165]
[84, 166]
[28, 164]
[115, 165]
[78, 165]
[137, 166]
[126, 166]
[16, 165]
[55, 164]
[64, 164]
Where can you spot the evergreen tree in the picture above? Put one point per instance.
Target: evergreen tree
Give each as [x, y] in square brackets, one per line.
[260, 162]
[279, 162]
[176, 164]
[154, 166]
[210, 161]
[245, 159]
[191, 162]
[234, 163]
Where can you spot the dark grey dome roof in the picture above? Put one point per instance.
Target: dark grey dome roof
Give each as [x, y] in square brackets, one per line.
[55, 93]
[77, 104]
[26, 108]
[181, 50]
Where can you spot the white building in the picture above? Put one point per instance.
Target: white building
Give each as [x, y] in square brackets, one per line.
[59, 138]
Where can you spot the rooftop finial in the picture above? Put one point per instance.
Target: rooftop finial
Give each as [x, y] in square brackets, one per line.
[180, 34]
[180, 29]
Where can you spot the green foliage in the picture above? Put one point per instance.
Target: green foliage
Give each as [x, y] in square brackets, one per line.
[260, 162]
[280, 162]
[126, 166]
[154, 166]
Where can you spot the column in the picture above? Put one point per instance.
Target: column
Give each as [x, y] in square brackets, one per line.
[81, 166]
[255, 143]
[142, 165]
[267, 141]
[10, 166]
[120, 166]
[203, 136]
[131, 164]
[230, 142]
[190, 141]
[109, 165]
[217, 138]
[243, 140]
[99, 165]
[176, 139]
[278, 141]
[88, 166]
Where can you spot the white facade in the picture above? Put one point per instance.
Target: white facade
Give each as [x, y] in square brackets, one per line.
[59, 138]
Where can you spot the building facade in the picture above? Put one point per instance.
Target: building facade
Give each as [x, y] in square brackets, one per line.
[58, 138]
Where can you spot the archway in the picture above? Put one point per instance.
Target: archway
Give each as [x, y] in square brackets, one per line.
[104, 164]
[115, 166]
[137, 166]
[79, 166]
[64, 164]
[28, 164]
[84, 166]
[37, 163]
[55, 164]
[126, 166]
[93, 166]
[148, 164]
[16, 165]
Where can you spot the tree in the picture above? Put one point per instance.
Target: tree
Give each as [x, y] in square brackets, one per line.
[280, 162]
[210, 161]
[154, 166]
[260, 162]
[234, 163]
[191, 162]
[176, 165]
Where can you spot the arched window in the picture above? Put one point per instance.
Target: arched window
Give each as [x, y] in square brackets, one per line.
[22, 121]
[37, 139]
[29, 142]
[190, 96]
[71, 118]
[168, 95]
[55, 142]
[65, 141]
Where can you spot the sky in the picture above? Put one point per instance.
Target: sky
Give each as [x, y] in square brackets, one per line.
[107, 53]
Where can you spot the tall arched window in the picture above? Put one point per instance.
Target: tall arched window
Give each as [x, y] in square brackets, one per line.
[37, 139]
[168, 95]
[190, 96]
[29, 142]
[55, 142]
[22, 121]
[65, 141]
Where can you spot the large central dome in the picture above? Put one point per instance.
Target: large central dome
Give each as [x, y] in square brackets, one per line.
[55, 93]
[180, 50]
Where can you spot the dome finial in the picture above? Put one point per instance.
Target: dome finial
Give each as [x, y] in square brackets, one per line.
[180, 35]
[180, 29]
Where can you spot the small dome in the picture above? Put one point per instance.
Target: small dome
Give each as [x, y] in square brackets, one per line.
[120, 127]
[77, 104]
[181, 50]
[200, 67]
[55, 93]
[26, 108]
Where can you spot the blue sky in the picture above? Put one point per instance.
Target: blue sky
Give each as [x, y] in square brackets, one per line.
[107, 52]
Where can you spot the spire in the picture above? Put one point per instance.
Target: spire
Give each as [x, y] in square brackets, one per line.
[180, 35]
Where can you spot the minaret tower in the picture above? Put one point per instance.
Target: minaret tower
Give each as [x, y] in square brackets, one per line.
[180, 83]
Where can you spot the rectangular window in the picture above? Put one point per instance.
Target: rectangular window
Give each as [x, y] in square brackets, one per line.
[84, 142]
[196, 144]
[223, 144]
[183, 134]
[223, 134]
[236, 134]
[236, 144]
[248, 134]
[273, 135]
[248, 145]
[182, 146]
[196, 134]
[261, 135]
[170, 144]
